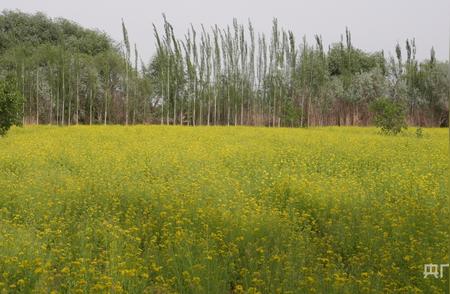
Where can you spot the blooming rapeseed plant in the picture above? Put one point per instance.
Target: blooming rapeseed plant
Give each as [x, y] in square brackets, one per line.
[157, 209]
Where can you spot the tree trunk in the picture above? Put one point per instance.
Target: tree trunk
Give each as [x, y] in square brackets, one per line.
[70, 96]
[37, 96]
[228, 104]
[168, 89]
[63, 97]
[70, 107]
[126, 92]
[78, 97]
[162, 104]
[195, 95]
[209, 107]
[215, 105]
[242, 102]
[90, 108]
[175, 105]
[106, 107]
[51, 107]
[23, 94]
[135, 100]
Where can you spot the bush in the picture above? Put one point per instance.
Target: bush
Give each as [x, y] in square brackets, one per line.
[389, 115]
[10, 105]
[419, 132]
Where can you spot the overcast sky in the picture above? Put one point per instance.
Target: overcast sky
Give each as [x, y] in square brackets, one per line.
[374, 24]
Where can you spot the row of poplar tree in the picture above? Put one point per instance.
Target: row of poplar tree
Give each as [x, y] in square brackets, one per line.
[216, 76]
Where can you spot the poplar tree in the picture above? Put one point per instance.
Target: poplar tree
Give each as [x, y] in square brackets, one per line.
[127, 62]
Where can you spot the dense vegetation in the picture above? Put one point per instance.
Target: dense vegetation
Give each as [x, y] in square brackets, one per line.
[157, 209]
[221, 76]
[388, 115]
[10, 105]
[61, 69]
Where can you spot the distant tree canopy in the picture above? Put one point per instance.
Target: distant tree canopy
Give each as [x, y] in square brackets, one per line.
[221, 76]
[342, 62]
[20, 29]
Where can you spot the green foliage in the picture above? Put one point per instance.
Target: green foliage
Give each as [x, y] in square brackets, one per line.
[21, 29]
[366, 86]
[291, 114]
[419, 132]
[221, 76]
[351, 61]
[389, 115]
[10, 105]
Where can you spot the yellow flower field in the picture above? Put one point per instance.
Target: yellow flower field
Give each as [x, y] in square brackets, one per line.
[160, 209]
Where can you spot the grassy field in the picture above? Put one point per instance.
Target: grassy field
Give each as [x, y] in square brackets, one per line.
[157, 209]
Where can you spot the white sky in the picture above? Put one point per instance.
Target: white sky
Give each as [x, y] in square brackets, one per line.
[374, 24]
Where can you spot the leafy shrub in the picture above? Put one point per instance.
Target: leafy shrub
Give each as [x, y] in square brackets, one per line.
[10, 105]
[419, 132]
[389, 115]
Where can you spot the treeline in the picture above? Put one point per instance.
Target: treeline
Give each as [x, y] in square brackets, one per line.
[68, 74]
[214, 76]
